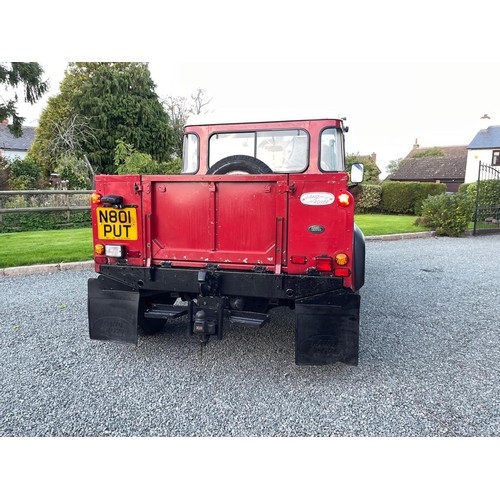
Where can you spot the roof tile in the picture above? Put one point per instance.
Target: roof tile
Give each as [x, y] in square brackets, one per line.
[23, 143]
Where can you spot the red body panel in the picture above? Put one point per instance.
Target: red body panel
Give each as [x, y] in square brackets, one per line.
[122, 185]
[238, 221]
[219, 219]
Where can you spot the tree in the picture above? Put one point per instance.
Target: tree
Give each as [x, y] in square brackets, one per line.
[393, 166]
[179, 109]
[200, 101]
[116, 101]
[16, 74]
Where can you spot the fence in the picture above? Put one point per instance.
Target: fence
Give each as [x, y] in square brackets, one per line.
[487, 196]
[39, 201]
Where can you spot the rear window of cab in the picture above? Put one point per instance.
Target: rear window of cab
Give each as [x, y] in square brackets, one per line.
[283, 151]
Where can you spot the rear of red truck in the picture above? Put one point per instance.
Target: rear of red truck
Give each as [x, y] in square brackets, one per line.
[261, 217]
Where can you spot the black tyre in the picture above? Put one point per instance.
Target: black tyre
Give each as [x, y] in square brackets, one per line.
[239, 164]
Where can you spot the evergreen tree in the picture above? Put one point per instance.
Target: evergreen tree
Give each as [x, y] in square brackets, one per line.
[13, 75]
[118, 102]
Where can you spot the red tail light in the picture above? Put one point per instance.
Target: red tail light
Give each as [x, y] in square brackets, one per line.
[324, 264]
[342, 272]
[298, 259]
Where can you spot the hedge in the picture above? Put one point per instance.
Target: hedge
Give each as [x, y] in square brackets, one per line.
[369, 198]
[407, 197]
[40, 221]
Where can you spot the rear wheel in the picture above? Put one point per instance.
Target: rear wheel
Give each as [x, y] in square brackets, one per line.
[239, 164]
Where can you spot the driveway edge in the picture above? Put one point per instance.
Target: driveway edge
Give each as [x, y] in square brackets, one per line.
[46, 268]
[401, 236]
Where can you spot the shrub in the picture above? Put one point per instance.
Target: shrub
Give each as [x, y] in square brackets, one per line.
[489, 197]
[407, 197]
[130, 161]
[4, 173]
[369, 198]
[448, 214]
[24, 174]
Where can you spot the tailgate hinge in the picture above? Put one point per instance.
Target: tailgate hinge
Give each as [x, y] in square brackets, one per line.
[283, 187]
[137, 187]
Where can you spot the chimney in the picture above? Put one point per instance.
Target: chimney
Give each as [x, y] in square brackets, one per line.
[373, 158]
[5, 122]
[416, 145]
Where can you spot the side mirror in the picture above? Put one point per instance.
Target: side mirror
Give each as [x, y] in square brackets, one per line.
[357, 170]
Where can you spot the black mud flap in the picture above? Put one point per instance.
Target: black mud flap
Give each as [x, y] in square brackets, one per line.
[112, 313]
[327, 329]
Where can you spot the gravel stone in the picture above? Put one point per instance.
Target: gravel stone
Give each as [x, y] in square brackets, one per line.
[429, 360]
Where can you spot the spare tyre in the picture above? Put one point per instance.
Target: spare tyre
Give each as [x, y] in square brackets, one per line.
[237, 164]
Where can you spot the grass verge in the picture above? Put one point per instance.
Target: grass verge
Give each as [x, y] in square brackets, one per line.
[45, 247]
[379, 224]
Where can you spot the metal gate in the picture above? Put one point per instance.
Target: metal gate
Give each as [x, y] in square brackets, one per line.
[487, 196]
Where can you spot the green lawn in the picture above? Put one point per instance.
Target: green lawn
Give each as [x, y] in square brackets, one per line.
[377, 224]
[45, 247]
[73, 245]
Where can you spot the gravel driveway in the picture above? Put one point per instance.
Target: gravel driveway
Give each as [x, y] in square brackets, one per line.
[429, 361]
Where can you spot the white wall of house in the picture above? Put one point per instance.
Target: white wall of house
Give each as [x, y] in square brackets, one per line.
[474, 157]
[11, 155]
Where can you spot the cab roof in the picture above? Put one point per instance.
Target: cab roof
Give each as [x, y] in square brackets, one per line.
[256, 117]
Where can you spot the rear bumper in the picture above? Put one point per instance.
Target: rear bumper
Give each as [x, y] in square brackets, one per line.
[229, 283]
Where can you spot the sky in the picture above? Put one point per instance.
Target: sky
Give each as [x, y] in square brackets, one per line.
[400, 73]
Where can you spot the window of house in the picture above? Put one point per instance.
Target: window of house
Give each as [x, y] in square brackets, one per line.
[495, 161]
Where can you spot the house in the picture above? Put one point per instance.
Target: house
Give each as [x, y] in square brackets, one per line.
[12, 147]
[485, 149]
[445, 164]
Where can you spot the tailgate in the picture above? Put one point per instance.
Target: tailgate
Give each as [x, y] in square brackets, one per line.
[236, 221]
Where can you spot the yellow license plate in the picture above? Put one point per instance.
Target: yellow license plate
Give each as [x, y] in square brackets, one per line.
[116, 223]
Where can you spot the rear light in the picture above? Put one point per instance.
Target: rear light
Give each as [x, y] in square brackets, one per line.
[100, 259]
[344, 200]
[324, 264]
[95, 198]
[99, 249]
[298, 259]
[133, 254]
[341, 259]
[114, 251]
[342, 272]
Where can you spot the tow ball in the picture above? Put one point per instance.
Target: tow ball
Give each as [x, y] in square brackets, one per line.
[207, 315]
[207, 318]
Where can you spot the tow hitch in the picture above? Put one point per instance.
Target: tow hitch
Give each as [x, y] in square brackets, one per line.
[207, 317]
